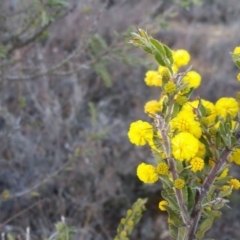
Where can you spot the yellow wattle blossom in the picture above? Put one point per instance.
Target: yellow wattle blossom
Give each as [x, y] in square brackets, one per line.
[211, 162]
[184, 122]
[224, 173]
[140, 133]
[235, 156]
[234, 183]
[226, 105]
[181, 100]
[170, 87]
[179, 183]
[181, 57]
[153, 107]
[153, 78]
[162, 205]
[201, 150]
[236, 50]
[147, 173]
[164, 73]
[184, 146]
[210, 109]
[197, 164]
[238, 77]
[193, 79]
[162, 168]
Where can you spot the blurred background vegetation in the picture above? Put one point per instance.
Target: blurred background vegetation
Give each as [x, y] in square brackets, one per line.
[70, 85]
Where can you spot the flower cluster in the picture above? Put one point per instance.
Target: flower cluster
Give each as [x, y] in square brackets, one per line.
[194, 141]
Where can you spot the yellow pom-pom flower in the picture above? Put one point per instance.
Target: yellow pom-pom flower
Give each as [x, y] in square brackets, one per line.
[169, 87]
[234, 183]
[193, 79]
[223, 174]
[164, 73]
[179, 183]
[236, 50]
[201, 150]
[181, 100]
[162, 168]
[162, 205]
[226, 105]
[235, 156]
[153, 107]
[184, 146]
[197, 164]
[181, 57]
[238, 77]
[140, 133]
[147, 173]
[153, 78]
[184, 122]
[210, 109]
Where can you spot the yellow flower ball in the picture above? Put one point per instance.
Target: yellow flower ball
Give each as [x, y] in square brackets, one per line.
[201, 150]
[223, 174]
[234, 183]
[238, 77]
[179, 183]
[140, 133]
[184, 146]
[184, 122]
[164, 73]
[162, 205]
[153, 78]
[235, 156]
[226, 105]
[210, 109]
[181, 57]
[170, 87]
[197, 164]
[162, 168]
[153, 107]
[193, 79]
[147, 173]
[236, 50]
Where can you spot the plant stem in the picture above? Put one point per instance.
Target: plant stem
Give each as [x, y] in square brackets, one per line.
[202, 192]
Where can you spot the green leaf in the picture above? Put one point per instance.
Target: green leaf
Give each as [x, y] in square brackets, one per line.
[173, 231]
[210, 193]
[102, 72]
[204, 226]
[45, 18]
[158, 46]
[169, 196]
[216, 214]
[167, 184]
[201, 108]
[159, 58]
[174, 217]
[168, 54]
[191, 198]
[3, 51]
[181, 233]
[175, 111]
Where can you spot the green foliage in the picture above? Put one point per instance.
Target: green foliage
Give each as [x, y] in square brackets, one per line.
[236, 59]
[64, 232]
[161, 52]
[132, 217]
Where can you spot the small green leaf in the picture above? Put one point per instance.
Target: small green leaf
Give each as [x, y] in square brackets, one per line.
[191, 198]
[174, 217]
[158, 46]
[159, 58]
[204, 226]
[173, 231]
[181, 233]
[168, 54]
